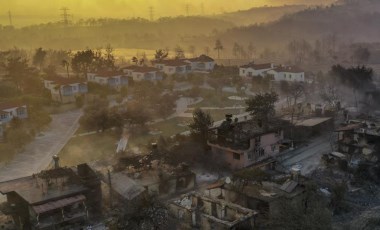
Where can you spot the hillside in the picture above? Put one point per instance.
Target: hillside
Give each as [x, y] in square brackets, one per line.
[356, 21]
[132, 33]
[260, 15]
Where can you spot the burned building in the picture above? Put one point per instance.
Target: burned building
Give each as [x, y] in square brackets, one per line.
[196, 211]
[243, 143]
[59, 198]
[360, 140]
[265, 197]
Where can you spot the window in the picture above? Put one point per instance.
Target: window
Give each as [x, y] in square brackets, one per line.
[236, 156]
[250, 155]
[243, 71]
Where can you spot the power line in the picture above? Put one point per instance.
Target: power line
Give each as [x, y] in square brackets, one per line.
[151, 13]
[65, 15]
[10, 18]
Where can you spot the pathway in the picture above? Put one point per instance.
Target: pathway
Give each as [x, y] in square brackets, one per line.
[38, 154]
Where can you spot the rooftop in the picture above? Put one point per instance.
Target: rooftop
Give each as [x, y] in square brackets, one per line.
[258, 66]
[202, 58]
[11, 104]
[172, 62]
[311, 122]
[141, 69]
[46, 186]
[109, 73]
[289, 69]
[66, 81]
[125, 186]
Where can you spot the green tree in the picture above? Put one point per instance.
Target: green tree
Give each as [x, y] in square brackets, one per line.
[39, 57]
[82, 61]
[135, 60]
[160, 55]
[96, 116]
[262, 108]
[65, 64]
[200, 125]
[218, 47]
[109, 61]
[179, 52]
[251, 50]
[17, 71]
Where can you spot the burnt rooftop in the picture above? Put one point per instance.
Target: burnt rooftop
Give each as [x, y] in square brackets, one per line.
[237, 133]
[45, 186]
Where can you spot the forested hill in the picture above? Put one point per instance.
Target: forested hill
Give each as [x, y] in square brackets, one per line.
[260, 15]
[353, 21]
[132, 33]
[198, 31]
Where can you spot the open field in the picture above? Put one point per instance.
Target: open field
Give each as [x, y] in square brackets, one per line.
[88, 148]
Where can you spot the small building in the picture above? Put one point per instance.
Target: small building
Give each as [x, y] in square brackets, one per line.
[53, 199]
[255, 70]
[113, 79]
[263, 197]
[240, 144]
[310, 127]
[359, 139]
[173, 66]
[66, 90]
[143, 73]
[10, 110]
[203, 63]
[194, 210]
[287, 73]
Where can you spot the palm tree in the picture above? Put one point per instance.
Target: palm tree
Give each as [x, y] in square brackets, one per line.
[218, 47]
[66, 65]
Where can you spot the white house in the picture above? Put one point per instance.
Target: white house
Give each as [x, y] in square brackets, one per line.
[255, 70]
[141, 73]
[201, 63]
[11, 110]
[174, 66]
[1, 131]
[114, 79]
[66, 90]
[287, 73]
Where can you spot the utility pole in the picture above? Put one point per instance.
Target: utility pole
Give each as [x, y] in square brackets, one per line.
[10, 18]
[151, 13]
[65, 16]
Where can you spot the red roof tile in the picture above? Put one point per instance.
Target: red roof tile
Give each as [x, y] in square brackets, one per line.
[289, 69]
[258, 66]
[66, 81]
[10, 105]
[202, 58]
[109, 73]
[142, 69]
[172, 62]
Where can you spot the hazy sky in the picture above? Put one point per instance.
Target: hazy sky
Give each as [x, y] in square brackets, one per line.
[42, 11]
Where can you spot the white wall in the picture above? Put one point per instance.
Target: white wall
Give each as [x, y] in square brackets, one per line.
[246, 72]
[293, 77]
